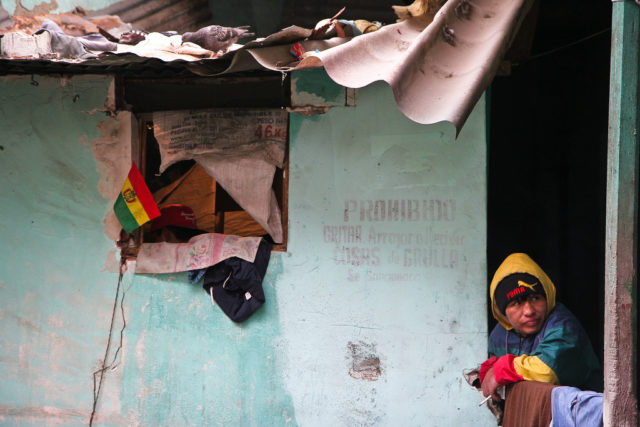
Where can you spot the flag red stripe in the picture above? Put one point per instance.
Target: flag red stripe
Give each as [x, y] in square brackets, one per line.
[143, 193]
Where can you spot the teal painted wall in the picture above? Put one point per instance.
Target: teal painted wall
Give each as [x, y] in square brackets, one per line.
[412, 291]
[367, 321]
[55, 300]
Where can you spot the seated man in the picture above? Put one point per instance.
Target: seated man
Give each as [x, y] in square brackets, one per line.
[536, 339]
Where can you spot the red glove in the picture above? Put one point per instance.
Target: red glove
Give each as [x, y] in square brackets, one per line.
[486, 365]
[504, 372]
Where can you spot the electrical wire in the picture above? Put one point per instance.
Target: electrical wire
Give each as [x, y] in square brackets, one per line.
[563, 47]
[112, 365]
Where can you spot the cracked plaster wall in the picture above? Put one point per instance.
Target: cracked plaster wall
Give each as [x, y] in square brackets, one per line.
[55, 297]
[388, 308]
[362, 325]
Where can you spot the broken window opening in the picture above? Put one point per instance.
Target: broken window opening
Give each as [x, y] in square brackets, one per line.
[189, 183]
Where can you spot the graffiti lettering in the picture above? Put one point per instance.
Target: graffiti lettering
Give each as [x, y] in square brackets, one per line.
[342, 233]
[356, 256]
[396, 239]
[399, 210]
[391, 277]
[429, 257]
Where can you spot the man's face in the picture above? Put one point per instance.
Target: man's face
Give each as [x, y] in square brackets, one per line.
[527, 314]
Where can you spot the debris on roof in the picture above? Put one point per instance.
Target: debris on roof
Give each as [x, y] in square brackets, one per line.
[420, 10]
[109, 34]
[438, 59]
[73, 24]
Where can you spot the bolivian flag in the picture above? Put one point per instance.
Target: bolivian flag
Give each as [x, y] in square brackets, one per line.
[135, 205]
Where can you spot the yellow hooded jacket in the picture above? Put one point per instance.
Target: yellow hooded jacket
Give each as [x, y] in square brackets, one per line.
[560, 353]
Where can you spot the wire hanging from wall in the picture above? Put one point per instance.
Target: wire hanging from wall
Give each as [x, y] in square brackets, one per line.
[97, 383]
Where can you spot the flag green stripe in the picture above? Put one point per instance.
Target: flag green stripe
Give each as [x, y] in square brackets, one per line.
[135, 206]
[124, 215]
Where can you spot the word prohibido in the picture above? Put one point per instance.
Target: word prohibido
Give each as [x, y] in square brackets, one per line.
[399, 210]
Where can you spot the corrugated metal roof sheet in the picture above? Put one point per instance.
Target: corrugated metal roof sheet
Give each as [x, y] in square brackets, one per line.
[437, 72]
[161, 15]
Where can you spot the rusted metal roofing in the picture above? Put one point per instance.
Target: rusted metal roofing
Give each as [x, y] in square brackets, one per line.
[148, 15]
[437, 70]
[161, 15]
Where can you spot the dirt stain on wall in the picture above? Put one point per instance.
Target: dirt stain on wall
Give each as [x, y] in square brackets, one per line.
[365, 363]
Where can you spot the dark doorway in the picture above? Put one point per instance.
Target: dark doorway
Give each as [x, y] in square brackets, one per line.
[548, 157]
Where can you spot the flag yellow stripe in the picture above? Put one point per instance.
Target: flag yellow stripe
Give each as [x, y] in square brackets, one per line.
[136, 207]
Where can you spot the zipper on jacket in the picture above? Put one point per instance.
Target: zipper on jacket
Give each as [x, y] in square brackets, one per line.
[520, 345]
[506, 343]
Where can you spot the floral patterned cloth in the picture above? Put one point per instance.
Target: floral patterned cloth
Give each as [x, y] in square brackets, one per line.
[201, 251]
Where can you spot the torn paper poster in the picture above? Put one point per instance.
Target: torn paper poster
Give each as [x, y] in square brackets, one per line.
[201, 251]
[20, 45]
[248, 180]
[239, 148]
[184, 135]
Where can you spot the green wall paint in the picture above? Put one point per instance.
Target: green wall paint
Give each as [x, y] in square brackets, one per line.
[347, 337]
[392, 298]
[54, 296]
[188, 364]
[316, 88]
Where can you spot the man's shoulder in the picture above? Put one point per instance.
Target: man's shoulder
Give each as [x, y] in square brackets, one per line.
[498, 329]
[562, 318]
[561, 314]
[497, 336]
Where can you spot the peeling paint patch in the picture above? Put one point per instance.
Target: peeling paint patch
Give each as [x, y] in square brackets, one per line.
[141, 352]
[112, 263]
[47, 412]
[307, 98]
[29, 8]
[316, 88]
[309, 110]
[109, 106]
[112, 151]
[365, 363]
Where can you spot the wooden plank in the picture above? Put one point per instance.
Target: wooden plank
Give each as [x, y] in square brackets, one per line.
[620, 355]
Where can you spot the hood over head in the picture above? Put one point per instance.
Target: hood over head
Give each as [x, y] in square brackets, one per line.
[519, 263]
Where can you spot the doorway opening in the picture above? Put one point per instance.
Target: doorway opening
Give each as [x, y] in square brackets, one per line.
[547, 158]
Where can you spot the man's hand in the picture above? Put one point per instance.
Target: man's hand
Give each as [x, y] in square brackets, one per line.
[490, 385]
